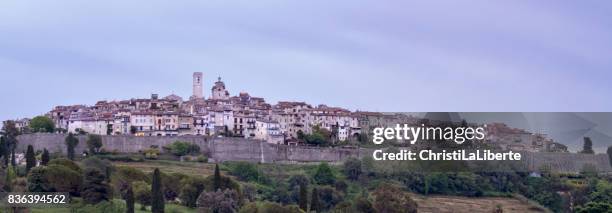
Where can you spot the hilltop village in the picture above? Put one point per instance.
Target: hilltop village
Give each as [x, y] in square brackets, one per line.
[223, 115]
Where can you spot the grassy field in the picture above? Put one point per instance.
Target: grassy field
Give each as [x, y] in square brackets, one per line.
[474, 205]
[168, 166]
[206, 169]
[170, 208]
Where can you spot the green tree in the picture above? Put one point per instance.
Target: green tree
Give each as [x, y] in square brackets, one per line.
[320, 136]
[142, 192]
[54, 178]
[180, 148]
[103, 166]
[95, 189]
[352, 168]
[595, 207]
[13, 160]
[297, 180]
[217, 178]
[227, 200]
[315, 205]
[10, 133]
[587, 147]
[191, 189]
[129, 200]
[42, 124]
[94, 143]
[157, 195]
[303, 200]
[71, 142]
[328, 197]
[602, 192]
[324, 174]
[391, 199]
[44, 159]
[245, 171]
[4, 151]
[30, 158]
[37, 182]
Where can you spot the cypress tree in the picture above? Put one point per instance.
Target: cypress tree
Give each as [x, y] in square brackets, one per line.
[587, 147]
[13, 161]
[4, 150]
[30, 158]
[157, 200]
[71, 142]
[609, 151]
[45, 157]
[314, 201]
[129, 200]
[303, 202]
[217, 178]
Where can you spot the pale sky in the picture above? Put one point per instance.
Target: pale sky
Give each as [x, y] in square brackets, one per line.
[416, 56]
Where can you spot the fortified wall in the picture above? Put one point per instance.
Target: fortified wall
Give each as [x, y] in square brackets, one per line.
[240, 149]
[220, 149]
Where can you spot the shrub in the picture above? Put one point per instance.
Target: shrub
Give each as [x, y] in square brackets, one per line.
[219, 201]
[104, 206]
[142, 193]
[123, 177]
[37, 182]
[362, 204]
[55, 178]
[130, 174]
[388, 198]
[151, 153]
[103, 166]
[180, 148]
[269, 207]
[172, 184]
[245, 171]
[67, 163]
[122, 158]
[191, 189]
[202, 159]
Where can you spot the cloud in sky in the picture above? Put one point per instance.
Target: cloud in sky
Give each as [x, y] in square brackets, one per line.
[367, 55]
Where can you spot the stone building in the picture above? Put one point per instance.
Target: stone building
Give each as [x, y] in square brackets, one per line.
[218, 91]
[197, 93]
